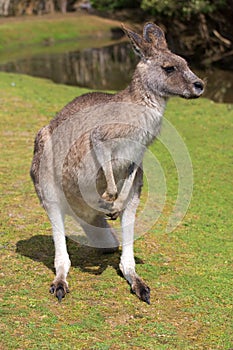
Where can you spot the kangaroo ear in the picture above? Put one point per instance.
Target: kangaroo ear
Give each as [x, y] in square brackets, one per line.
[154, 35]
[138, 43]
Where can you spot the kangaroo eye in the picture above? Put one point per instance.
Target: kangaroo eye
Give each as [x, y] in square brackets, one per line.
[169, 69]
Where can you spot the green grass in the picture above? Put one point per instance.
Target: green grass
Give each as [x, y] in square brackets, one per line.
[189, 270]
[30, 35]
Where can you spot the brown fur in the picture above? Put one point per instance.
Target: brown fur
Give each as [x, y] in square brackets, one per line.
[113, 130]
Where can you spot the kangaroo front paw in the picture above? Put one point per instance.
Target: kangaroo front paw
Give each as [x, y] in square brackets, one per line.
[107, 206]
[141, 290]
[109, 196]
[111, 209]
[59, 289]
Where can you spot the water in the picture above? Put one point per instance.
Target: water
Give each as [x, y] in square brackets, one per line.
[106, 68]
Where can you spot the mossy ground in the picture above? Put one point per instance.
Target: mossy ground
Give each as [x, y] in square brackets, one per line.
[189, 270]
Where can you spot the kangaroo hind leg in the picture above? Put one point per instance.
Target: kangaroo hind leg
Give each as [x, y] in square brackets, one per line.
[59, 286]
[127, 263]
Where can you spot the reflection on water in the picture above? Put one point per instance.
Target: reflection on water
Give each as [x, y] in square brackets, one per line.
[108, 68]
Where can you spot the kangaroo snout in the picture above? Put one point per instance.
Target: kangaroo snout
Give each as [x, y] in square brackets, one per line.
[198, 87]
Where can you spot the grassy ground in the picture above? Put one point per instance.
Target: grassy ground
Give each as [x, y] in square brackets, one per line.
[24, 36]
[189, 270]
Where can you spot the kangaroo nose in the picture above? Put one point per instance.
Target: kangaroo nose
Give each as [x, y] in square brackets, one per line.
[199, 86]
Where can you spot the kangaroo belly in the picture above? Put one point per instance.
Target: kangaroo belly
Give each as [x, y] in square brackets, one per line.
[83, 180]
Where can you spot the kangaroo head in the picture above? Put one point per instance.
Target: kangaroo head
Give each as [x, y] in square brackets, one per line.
[161, 72]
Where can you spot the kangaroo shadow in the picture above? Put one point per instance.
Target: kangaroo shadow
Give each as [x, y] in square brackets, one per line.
[41, 248]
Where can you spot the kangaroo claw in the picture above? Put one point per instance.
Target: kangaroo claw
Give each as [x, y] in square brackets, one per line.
[59, 289]
[141, 290]
[113, 216]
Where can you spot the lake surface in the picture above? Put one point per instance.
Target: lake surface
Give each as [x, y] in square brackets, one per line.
[107, 68]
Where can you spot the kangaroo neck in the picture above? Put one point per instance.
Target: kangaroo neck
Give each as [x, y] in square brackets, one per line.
[137, 93]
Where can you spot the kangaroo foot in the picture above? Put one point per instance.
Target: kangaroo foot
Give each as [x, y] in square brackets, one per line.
[141, 290]
[59, 289]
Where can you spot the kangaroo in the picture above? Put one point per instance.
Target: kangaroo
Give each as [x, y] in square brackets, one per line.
[88, 160]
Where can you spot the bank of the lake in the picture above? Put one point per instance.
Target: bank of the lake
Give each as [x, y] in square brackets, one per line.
[81, 49]
[28, 32]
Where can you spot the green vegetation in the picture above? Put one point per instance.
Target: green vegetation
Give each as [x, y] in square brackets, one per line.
[183, 9]
[189, 270]
[30, 33]
[106, 5]
[165, 8]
